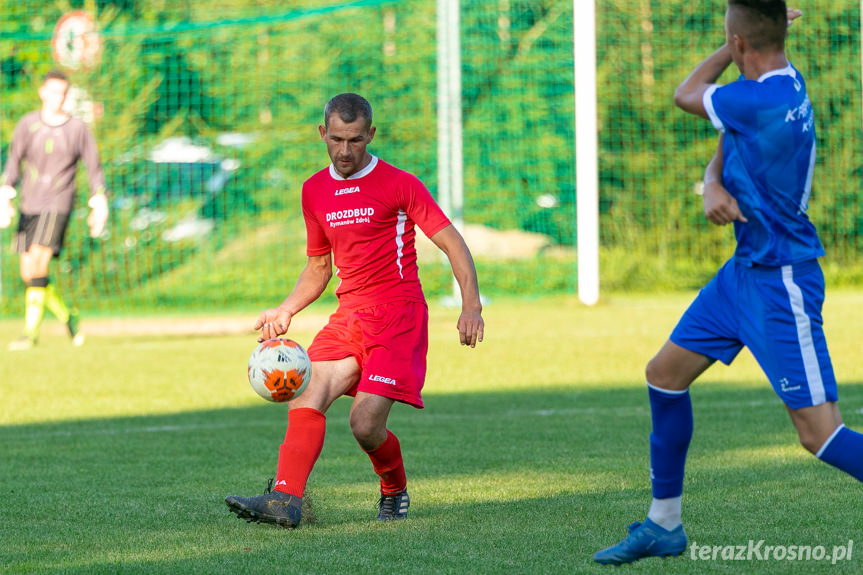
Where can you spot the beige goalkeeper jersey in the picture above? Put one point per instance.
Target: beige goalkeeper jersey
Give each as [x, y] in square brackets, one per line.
[45, 158]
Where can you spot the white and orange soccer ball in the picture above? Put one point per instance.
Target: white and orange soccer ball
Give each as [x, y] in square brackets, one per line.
[279, 369]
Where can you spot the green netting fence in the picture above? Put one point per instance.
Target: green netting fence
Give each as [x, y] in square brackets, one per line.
[206, 115]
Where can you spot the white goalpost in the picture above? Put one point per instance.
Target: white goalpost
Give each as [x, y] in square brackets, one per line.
[449, 131]
[586, 166]
[449, 119]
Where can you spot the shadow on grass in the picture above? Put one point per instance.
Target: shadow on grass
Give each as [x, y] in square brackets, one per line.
[530, 482]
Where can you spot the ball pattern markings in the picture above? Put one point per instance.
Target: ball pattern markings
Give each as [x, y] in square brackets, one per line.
[279, 369]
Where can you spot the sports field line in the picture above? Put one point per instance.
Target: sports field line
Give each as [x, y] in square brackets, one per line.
[133, 430]
[181, 326]
[617, 410]
[623, 410]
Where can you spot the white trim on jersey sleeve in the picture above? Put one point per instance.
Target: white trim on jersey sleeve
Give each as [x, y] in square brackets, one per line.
[707, 100]
[364, 172]
[804, 200]
[400, 244]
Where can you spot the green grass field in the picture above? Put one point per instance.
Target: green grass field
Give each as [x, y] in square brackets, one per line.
[532, 454]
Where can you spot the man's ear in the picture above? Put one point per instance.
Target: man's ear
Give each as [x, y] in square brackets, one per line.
[740, 44]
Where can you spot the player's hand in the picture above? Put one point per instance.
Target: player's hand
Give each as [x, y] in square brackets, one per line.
[273, 322]
[470, 327]
[98, 215]
[793, 14]
[720, 207]
[7, 212]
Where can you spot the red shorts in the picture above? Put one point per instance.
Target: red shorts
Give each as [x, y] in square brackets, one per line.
[389, 342]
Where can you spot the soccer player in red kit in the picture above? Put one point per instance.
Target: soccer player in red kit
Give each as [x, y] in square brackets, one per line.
[360, 214]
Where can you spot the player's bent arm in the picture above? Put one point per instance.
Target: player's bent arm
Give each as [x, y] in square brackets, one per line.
[689, 95]
[310, 285]
[12, 171]
[451, 243]
[470, 324]
[720, 207]
[713, 172]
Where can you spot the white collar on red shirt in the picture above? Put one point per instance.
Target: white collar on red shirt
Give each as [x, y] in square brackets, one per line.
[365, 171]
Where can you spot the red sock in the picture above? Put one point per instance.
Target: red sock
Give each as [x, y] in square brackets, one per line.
[388, 463]
[298, 454]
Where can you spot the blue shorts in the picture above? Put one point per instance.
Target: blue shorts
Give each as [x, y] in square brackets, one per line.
[776, 313]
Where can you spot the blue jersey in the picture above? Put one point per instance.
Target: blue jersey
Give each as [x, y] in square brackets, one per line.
[768, 157]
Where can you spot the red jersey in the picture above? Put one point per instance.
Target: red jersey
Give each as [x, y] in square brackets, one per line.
[368, 222]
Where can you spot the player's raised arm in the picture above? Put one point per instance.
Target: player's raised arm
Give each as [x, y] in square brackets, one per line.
[689, 95]
[793, 14]
[470, 322]
[310, 285]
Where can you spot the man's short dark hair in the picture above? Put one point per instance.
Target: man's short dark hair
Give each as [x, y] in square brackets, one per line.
[764, 23]
[349, 107]
[55, 75]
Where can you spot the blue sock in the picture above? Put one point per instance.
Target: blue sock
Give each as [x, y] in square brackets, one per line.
[844, 450]
[671, 413]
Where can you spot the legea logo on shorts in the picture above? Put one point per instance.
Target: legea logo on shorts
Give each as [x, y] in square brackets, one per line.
[382, 379]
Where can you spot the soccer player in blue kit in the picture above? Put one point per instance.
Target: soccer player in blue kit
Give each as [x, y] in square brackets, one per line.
[768, 296]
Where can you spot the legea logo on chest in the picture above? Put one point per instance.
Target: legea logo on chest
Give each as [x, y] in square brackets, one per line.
[343, 191]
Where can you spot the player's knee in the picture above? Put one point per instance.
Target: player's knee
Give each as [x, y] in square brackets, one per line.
[28, 272]
[656, 376]
[816, 425]
[810, 443]
[660, 375]
[810, 440]
[362, 429]
[367, 432]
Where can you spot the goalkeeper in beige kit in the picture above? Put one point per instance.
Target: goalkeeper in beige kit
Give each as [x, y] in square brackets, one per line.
[43, 157]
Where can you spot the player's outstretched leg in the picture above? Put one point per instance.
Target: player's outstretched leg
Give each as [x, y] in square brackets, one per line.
[283, 506]
[61, 311]
[72, 325]
[34, 298]
[273, 507]
[662, 533]
[644, 540]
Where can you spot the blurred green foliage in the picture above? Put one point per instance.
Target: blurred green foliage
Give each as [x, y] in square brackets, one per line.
[247, 80]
